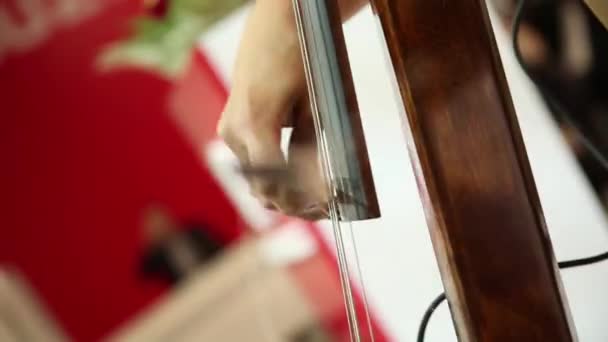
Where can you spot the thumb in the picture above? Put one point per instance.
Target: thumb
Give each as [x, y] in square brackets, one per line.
[264, 152]
[305, 166]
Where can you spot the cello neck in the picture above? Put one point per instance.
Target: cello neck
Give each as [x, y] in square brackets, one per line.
[474, 178]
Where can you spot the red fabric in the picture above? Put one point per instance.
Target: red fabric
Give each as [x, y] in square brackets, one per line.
[82, 153]
[200, 85]
[160, 8]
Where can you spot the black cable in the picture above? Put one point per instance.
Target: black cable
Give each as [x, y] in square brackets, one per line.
[441, 298]
[427, 316]
[583, 261]
[601, 159]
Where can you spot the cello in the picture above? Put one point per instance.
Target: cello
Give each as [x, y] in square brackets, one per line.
[466, 149]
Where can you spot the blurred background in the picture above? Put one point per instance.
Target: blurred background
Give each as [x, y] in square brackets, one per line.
[123, 219]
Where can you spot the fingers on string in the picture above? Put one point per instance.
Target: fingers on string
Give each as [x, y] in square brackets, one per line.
[305, 166]
[257, 146]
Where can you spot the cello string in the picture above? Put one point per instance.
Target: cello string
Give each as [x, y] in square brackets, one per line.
[325, 161]
[362, 286]
[313, 54]
[348, 255]
[342, 259]
[353, 320]
[337, 187]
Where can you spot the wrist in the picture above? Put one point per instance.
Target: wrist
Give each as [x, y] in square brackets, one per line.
[281, 10]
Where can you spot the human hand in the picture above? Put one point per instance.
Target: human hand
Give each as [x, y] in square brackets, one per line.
[269, 93]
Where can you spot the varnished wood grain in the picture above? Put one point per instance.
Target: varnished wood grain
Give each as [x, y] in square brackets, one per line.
[474, 177]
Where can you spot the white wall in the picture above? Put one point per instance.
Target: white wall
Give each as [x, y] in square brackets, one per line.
[396, 257]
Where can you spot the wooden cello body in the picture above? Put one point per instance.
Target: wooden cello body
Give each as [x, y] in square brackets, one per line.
[473, 174]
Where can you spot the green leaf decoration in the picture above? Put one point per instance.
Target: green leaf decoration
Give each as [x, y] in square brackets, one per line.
[164, 45]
